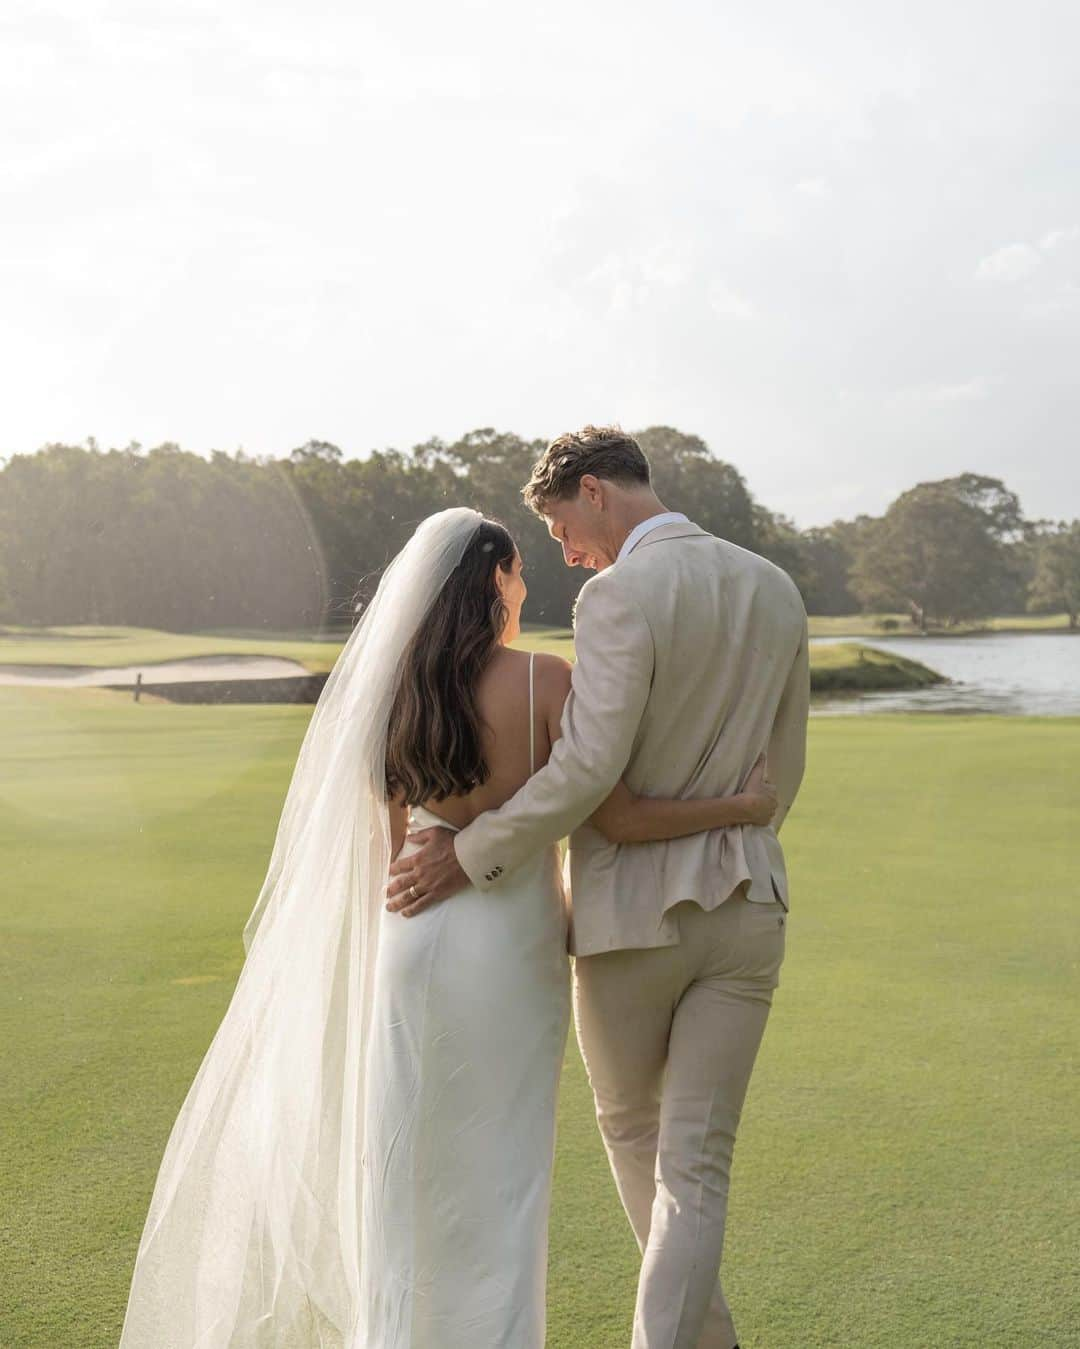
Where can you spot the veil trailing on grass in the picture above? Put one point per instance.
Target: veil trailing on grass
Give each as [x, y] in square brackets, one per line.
[253, 1237]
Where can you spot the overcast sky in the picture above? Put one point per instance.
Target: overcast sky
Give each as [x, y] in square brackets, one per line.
[841, 241]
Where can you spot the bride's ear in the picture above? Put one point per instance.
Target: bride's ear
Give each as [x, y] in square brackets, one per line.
[503, 579]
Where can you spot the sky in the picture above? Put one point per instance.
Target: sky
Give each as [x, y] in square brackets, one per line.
[841, 243]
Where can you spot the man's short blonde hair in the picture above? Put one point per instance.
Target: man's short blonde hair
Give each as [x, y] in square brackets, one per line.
[604, 451]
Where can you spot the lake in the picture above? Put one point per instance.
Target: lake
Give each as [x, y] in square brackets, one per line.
[1008, 673]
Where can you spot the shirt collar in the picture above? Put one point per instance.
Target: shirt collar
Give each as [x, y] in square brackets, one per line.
[647, 526]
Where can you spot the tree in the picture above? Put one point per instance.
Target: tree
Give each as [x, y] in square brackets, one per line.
[999, 507]
[777, 538]
[933, 554]
[171, 539]
[323, 450]
[1056, 583]
[828, 555]
[1005, 520]
[5, 596]
[688, 477]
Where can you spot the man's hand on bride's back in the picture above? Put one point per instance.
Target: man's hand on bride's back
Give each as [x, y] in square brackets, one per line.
[427, 876]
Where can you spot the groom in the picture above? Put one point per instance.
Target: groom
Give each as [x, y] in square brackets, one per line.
[692, 659]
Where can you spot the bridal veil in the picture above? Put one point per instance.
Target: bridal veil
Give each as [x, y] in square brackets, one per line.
[253, 1237]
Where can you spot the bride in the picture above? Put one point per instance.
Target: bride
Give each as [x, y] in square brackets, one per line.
[363, 1160]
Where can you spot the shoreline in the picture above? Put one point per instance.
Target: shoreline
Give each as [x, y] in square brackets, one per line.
[819, 629]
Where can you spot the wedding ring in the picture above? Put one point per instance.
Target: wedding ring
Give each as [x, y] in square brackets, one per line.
[412, 891]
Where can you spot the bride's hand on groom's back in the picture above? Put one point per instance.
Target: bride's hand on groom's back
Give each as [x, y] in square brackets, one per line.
[758, 797]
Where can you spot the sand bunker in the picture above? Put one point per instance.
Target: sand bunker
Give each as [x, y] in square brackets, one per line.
[194, 669]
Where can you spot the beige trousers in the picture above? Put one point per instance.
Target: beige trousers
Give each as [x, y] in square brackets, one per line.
[669, 1037]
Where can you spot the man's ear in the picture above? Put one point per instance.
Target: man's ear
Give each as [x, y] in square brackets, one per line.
[592, 490]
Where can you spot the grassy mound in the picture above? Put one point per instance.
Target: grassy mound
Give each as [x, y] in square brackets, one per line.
[852, 668]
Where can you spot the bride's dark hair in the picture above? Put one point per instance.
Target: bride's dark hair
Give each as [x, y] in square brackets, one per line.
[433, 740]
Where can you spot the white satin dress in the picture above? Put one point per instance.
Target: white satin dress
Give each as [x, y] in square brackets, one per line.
[469, 1025]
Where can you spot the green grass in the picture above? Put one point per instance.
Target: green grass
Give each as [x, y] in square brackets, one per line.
[905, 1176]
[557, 641]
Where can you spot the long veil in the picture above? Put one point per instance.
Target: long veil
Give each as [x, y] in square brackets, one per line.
[253, 1237]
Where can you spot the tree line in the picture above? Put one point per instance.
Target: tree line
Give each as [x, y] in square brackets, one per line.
[166, 538]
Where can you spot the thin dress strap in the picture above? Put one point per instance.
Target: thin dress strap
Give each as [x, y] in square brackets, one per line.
[532, 717]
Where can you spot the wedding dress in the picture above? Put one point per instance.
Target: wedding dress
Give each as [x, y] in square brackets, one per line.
[363, 1160]
[472, 1005]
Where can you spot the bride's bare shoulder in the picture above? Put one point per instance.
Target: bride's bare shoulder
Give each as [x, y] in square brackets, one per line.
[552, 681]
[507, 658]
[506, 673]
[553, 669]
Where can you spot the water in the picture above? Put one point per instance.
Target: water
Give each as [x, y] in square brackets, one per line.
[1006, 673]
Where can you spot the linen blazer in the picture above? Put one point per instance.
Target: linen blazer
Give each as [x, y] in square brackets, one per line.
[691, 658]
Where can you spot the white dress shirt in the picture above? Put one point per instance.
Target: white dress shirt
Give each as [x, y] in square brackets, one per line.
[647, 527]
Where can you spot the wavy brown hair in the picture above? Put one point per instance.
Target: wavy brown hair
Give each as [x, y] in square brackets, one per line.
[605, 451]
[433, 740]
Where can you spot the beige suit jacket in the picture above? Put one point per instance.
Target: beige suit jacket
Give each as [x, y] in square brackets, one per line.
[692, 658]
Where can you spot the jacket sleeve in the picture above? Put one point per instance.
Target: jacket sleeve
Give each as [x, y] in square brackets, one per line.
[609, 688]
[787, 740]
